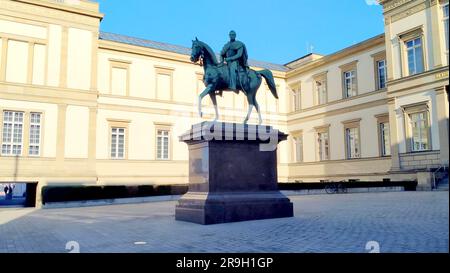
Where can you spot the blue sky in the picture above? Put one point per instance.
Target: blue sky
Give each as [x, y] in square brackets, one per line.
[277, 31]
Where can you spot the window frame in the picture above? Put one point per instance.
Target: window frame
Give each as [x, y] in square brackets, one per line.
[296, 97]
[295, 155]
[320, 78]
[405, 37]
[118, 123]
[166, 71]
[383, 119]
[347, 68]
[32, 42]
[162, 126]
[119, 64]
[445, 27]
[416, 109]
[23, 134]
[40, 134]
[377, 58]
[348, 125]
[318, 131]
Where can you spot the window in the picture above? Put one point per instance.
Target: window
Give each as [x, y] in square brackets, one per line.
[323, 143]
[164, 82]
[419, 131]
[414, 52]
[350, 88]
[417, 127]
[12, 139]
[384, 138]
[446, 30]
[320, 95]
[298, 148]
[349, 79]
[120, 77]
[35, 134]
[117, 143]
[352, 140]
[296, 96]
[296, 99]
[162, 145]
[323, 146]
[381, 74]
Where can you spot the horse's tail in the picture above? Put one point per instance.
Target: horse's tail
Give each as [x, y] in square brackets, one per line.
[268, 76]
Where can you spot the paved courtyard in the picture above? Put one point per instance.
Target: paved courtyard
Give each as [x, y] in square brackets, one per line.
[398, 221]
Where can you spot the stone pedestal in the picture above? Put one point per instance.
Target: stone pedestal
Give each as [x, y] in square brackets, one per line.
[232, 174]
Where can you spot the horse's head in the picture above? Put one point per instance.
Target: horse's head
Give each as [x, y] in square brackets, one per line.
[196, 50]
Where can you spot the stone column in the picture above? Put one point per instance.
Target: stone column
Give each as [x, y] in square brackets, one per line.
[436, 25]
[395, 155]
[442, 113]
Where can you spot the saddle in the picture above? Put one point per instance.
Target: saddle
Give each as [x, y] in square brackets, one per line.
[241, 81]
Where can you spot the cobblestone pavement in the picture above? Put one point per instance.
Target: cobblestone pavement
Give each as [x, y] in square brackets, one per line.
[399, 222]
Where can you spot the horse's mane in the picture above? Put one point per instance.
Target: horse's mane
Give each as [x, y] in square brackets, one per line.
[210, 52]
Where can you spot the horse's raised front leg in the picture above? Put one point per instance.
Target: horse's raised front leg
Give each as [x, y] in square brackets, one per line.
[200, 97]
[214, 101]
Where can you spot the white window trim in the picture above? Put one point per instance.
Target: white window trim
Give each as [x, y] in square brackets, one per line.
[319, 132]
[163, 126]
[12, 143]
[117, 144]
[160, 134]
[348, 125]
[384, 68]
[118, 123]
[414, 109]
[446, 34]
[38, 145]
[413, 49]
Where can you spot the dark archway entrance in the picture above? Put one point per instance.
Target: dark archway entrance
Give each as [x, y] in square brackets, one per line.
[18, 194]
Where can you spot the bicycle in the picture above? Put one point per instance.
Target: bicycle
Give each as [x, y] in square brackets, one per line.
[336, 187]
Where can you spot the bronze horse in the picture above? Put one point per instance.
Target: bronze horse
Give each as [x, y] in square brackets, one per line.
[216, 79]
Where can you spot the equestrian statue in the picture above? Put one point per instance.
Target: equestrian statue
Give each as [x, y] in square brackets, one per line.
[231, 74]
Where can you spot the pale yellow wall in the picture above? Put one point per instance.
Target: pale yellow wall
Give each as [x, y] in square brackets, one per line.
[119, 81]
[54, 55]
[17, 61]
[76, 134]
[39, 61]
[22, 29]
[365, 77]
[79, 59]
[368, 133]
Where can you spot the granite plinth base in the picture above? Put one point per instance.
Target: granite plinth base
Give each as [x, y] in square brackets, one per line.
[207, 209]
[232, 174]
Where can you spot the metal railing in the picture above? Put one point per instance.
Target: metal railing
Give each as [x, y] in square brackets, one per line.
[441, 168]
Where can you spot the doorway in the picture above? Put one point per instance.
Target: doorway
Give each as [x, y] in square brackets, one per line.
[17, 194]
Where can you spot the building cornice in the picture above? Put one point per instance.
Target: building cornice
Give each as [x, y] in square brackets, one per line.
[160, 54]
[344, 53]
[84, 7]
